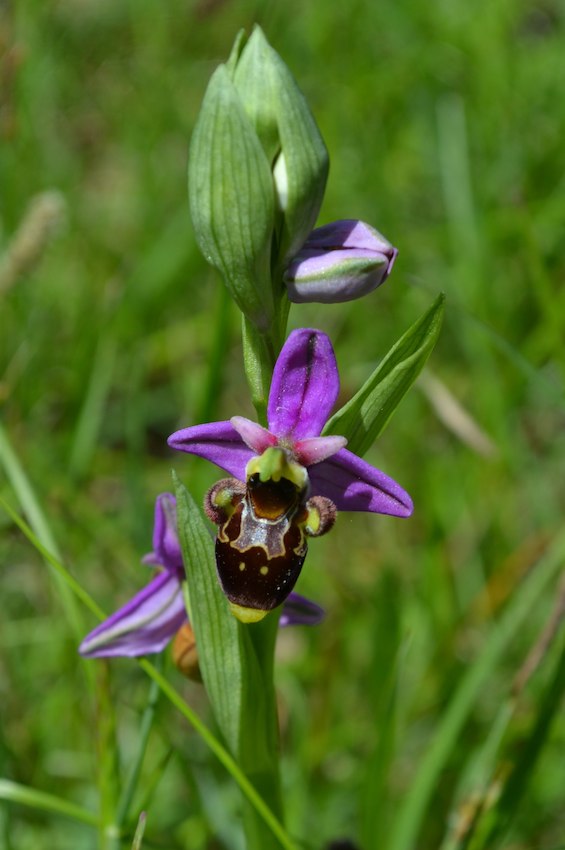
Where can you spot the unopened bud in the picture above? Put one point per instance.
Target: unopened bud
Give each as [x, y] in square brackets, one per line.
[338, 262]
[185, 653]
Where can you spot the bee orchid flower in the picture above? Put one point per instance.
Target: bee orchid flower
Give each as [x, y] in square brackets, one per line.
[288, 479]
[155, 615]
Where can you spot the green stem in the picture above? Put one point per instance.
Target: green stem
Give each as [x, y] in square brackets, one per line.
[24, 796]
[258, 749]
[147, 720]
[206, 411]
[255, 799]
[107, 759]
[259, 356]
[259, 739]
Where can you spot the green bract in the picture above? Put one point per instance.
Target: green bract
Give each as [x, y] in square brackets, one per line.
[257, 174]
[232, 198]
[290, 138]
[365, 416]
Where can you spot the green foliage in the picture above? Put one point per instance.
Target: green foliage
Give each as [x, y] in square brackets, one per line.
[239, 687]
[232, 198]
[365, 415]
[285, 124]
[445, 125]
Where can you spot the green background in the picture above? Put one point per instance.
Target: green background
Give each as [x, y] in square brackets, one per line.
[445, 124]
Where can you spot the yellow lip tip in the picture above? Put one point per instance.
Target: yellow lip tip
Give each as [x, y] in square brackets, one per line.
[247, 615]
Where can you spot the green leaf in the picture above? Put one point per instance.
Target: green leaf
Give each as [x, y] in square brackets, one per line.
[42, 801]
[215, 629]
[366, 415]
[236, 677]
[236, 662]
[232, 198]
[138, 837]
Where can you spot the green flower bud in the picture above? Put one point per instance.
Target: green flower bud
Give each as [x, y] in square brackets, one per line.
[232, 199]
[257, 173]
[289, 136]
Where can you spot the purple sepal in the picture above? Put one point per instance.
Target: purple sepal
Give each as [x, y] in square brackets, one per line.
[347, 233]
[354, 485]
[144, 625]
[166, 546]
[218, 442]
[305, 386]
[299, 611]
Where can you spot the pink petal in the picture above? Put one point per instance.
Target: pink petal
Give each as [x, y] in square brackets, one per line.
[253, 435]
[315, 449]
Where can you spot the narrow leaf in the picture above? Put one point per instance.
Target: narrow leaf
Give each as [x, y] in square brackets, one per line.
[23, 489]
[217, 638]
[366, 415]
[236, 662]
[138, 837]
[523, 772]
[526, 596]
[41, 800]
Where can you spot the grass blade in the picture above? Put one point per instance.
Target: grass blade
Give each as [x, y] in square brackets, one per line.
[172, 695]
[412, 810]
[13, 792]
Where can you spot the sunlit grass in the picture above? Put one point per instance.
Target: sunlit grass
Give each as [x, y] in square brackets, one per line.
[445, 126]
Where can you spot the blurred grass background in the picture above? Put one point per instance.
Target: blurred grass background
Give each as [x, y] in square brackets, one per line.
[445, 124]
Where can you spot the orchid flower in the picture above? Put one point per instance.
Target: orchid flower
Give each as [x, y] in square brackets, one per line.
[149, 621]
[320, 475]
[340, 261]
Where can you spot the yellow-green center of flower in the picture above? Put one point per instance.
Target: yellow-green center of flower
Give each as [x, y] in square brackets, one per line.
[275, 463]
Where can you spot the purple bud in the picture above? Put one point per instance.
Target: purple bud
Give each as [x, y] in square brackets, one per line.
[339, 262]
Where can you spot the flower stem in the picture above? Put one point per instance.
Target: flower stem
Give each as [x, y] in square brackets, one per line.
[259, 356]
[147, 719]
[261, 765]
